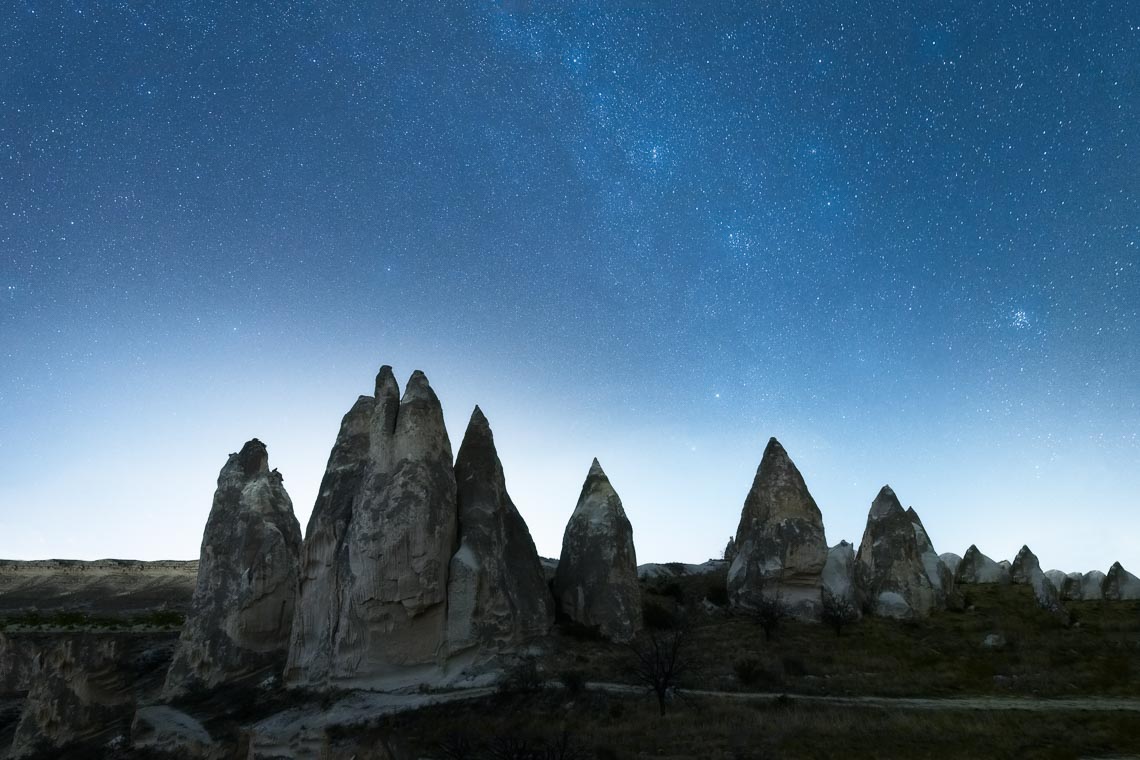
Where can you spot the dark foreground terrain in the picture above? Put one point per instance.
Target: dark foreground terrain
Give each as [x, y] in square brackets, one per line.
[995, 677]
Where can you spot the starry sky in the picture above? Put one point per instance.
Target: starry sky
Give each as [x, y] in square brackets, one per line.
[902, 237]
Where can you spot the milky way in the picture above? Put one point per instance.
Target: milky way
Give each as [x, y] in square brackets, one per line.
[903, 238]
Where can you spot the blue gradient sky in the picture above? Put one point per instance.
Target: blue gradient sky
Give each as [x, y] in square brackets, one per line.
[904, 238]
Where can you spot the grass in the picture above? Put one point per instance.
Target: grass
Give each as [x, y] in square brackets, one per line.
[603, 726]
[940, 656]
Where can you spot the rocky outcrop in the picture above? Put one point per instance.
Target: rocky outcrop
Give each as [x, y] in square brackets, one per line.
[497, 595]
[729, 553]
[1083, 587]
[373, 602]
[1120, 585]
[596, 581]
[976, 567]
[780, 543]
[936, 570]
[80, 691]
[891, 574]
[247, 579]
[1026, 569]
[951, 561]
[838, 577]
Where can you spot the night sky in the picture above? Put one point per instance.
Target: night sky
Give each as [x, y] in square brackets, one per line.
[902, 237]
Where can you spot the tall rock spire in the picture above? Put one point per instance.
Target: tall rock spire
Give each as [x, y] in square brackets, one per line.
[374, 593]
[497, 592]
[780, 542]
[892, 577]
[244, 600]
[596, 581]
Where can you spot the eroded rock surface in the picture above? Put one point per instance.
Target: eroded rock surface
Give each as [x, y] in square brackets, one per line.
[780, 543]
[80, 691]
[1081, 586]
[839, 575]
[243, 602]
[951, 560]
[892, 576]
[1026, 569]
[373, 603]
[1121, 585]
[941, 578]
[497, 592]
[976, 567]
[596, 580]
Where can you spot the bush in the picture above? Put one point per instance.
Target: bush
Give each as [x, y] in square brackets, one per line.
[838, 612]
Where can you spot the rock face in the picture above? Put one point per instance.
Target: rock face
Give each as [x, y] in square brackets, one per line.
[596, 581]
[1026, 569]
[976, 567]
[497, 595]
[891, 573]
[780, 543]
[247, 578]
[1092, 585]
[373, 603]
[729, 553]
[951, 560]
[839, 575]
[80, 691]
[940, 576]
[1121, 585]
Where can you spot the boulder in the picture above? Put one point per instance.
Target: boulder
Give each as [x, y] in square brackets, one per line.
[595, 584]
[951, 560]
[243, 602]
[780, 543]
[497, 597]
[372, 611]
[1121, 585]
[838, 577]
[891, 574]
[976, 567]
[1026, 569]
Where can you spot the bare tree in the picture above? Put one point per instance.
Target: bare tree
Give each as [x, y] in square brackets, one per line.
[768, 607]
[662, 660]
[838, 611]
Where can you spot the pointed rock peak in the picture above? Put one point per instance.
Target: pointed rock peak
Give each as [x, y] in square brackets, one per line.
[254, 458]
[596, 470]
[478, 436]
[419, 389]
[972, 551]
[1116, 568]
[885, 504]
[386, 385]
[910, 511]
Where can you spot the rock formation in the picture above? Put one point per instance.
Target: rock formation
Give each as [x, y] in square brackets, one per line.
[1080, 586]
[596, 581]
[373, 602]
[951, 560]
[497, 595]
[976, 567]
[780, 543]
[1120, 585]
[1026, 569]
[730, 550]
[891, 574]
[80, 691]
[838, 577]
[940, 576]
[247, 578]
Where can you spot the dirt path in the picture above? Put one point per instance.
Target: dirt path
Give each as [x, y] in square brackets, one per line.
[1030, 704]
